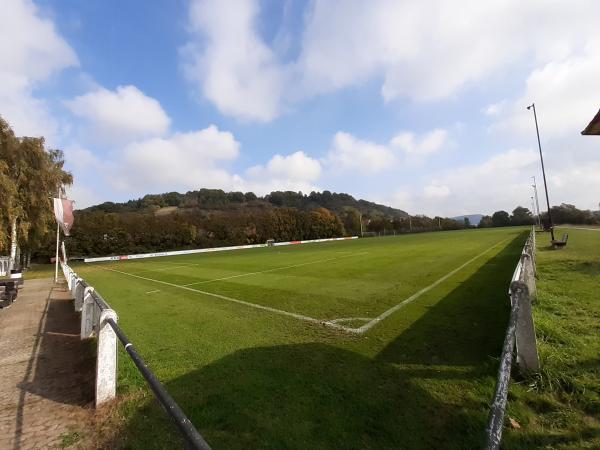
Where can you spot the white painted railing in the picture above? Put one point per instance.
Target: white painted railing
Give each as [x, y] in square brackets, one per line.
[95, 313]
[211, 250]
[97, 318]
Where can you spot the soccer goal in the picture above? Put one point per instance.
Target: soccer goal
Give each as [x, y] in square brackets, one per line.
[270, 242]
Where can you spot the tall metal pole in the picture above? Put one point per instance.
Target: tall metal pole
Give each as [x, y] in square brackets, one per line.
[361, 226]
[537, 204]
[537, 130]
[57, 244]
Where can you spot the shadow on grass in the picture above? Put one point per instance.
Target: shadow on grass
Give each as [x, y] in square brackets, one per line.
[467, 325]
[319, 396]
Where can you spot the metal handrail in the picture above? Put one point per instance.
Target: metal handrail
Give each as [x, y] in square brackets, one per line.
[193, 439]
[518, 291]
[191, 436]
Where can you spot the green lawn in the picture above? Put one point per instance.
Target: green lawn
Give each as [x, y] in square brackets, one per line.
[247, 377]
[560, 408]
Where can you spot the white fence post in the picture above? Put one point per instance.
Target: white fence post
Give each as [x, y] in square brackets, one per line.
[106, 363]
[527, 355]
[87, 313]
[79, 293]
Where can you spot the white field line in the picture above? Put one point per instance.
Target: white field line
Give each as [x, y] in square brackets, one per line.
[241, 302]
[393, 309]
[330, 323]
[581, 228]
[349, 319]
[273, 270]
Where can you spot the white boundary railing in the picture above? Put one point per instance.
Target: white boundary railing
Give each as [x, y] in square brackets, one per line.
[97, 318]
[94, 315]
[519, 338]
[211, 249]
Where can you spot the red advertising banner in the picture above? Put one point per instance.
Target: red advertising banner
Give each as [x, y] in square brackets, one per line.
[63, 210]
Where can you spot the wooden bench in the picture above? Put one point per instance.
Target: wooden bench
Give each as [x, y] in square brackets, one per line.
[560, 244]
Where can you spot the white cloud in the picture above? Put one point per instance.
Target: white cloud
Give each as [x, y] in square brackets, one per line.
[31, 51]
[424, 145]
[199, 159]
[434, 191]
[297, 166]
[430, 49]
[350, 153]
[423, 50]
[121, 115]
[182, 161]
[231, 64]
[495, 108]
[295, 172]
[566, 96]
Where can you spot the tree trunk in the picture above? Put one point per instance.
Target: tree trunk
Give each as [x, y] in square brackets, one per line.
[13, 243]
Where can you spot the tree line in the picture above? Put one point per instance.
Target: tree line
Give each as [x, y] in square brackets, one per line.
[562, 214]
[217, 199]
[30, 176]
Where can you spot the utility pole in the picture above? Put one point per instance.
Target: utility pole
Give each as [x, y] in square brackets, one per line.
[57, 244]
[409, 224]
[537, 130]
[361, 226]
[537, 204]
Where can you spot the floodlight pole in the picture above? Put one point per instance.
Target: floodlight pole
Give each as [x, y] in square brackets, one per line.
[57, 245]
[361, 225]
[537, 203]
[537, 130]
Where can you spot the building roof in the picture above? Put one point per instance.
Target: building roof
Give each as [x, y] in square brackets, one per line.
[594, 126]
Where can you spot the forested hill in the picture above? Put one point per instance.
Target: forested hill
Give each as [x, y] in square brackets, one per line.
[218, 200]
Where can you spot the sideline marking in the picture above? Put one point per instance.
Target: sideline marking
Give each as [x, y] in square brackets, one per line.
[152, 292]
[349, 319]
[393, 309]
[241, 302]
[273, 270]
[580, 228]
[330, 323]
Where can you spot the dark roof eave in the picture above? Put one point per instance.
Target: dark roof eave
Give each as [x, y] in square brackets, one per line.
[593, 127]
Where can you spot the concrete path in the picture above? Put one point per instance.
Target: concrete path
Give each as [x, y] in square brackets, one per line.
[46, 372]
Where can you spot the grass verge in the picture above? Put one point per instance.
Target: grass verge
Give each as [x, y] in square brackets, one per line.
[560, 407]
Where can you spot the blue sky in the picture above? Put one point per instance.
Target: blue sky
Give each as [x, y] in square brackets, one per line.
[415, 104]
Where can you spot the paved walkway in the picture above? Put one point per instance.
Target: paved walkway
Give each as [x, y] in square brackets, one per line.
[46, 374]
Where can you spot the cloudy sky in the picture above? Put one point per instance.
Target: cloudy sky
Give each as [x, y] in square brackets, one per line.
[416, 104]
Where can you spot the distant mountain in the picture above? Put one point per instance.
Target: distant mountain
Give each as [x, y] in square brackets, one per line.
[209, 200]
[474, 219]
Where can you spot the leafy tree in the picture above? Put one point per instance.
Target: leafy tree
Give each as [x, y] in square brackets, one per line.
[521, 216]
[500, 219]
[485, 222]
[30, 177]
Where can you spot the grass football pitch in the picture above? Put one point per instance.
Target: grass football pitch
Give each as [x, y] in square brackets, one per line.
[371, 343]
